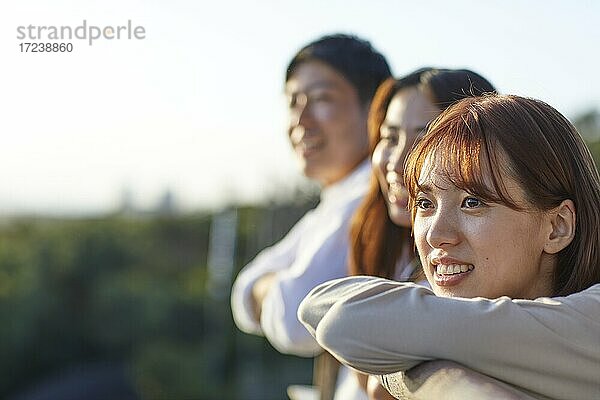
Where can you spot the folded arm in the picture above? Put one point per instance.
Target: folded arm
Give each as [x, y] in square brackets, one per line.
[546, 346]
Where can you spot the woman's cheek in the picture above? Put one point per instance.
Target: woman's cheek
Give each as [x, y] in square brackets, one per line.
[420, 234]
[378, 163]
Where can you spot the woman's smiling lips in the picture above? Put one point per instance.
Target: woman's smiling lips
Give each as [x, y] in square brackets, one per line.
[449, 271]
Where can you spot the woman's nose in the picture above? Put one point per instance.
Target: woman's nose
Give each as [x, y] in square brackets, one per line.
[443, 230]
[395, 161]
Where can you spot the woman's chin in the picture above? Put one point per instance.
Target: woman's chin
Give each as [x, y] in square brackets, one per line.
[400, 216]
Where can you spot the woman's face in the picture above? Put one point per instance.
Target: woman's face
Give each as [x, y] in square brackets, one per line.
[469, 248]
[407, 116]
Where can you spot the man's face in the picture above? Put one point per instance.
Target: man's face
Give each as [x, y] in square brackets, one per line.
[328, 124]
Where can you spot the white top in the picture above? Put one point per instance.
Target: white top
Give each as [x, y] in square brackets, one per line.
[549, 347]
[314, 251]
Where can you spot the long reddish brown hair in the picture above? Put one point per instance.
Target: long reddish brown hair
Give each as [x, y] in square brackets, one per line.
[376, 242]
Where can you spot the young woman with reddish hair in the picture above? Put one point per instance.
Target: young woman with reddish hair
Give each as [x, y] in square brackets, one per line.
[380, 238]
[505, 199]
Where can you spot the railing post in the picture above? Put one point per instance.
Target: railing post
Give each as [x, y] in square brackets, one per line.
[325, 373]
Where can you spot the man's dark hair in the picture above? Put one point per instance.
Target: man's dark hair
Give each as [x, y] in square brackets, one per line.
[363, 66]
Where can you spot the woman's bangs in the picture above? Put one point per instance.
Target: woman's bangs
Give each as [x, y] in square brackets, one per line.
[457, 149]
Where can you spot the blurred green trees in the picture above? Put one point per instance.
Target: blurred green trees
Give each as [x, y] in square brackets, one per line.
[132, 291]
[588, 124]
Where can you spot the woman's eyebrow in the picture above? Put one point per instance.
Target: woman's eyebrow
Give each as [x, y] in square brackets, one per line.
[429, 186]
[425, 187]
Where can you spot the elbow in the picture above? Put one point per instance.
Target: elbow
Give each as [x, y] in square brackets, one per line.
[329, 323]
[288, 335]
[315, 306]
[353, 345]
[334, 334]
[308, 316]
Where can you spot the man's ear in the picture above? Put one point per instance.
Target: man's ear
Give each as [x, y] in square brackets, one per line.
[562, 219]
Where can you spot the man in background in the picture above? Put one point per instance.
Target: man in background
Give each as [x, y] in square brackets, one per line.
[329, 86]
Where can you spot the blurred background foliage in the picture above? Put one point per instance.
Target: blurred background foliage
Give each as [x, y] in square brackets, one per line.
[134, 291]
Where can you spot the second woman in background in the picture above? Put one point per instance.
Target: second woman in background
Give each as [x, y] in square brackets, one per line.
[380, 234]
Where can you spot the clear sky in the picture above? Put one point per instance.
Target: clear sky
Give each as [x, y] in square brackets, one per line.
[197, 107]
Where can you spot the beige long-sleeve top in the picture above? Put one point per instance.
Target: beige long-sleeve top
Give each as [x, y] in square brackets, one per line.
[547, 346]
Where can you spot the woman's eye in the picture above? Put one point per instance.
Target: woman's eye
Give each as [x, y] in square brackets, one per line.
[389, 135]
[472, 202]
[423, 204]
[389, 140]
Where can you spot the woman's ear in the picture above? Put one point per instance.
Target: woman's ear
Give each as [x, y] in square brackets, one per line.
[562, 219]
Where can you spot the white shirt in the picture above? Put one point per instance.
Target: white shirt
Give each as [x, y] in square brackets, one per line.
[314, 251]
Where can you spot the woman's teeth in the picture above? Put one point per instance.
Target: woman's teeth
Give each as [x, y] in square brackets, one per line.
[450, 269]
